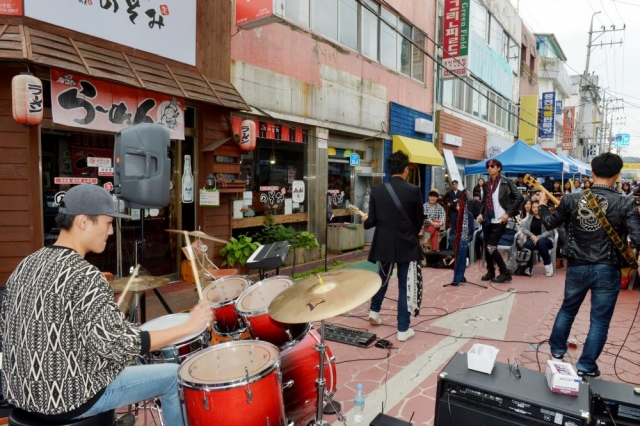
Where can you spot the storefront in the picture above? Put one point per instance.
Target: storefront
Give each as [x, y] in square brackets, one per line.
[92, 90]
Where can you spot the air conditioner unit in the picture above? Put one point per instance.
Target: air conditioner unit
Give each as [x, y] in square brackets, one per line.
[422, 125]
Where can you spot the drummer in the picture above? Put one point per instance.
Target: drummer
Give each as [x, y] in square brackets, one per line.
[64, 340]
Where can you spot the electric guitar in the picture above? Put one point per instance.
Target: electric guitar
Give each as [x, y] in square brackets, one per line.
[531, 181]
[354, 210]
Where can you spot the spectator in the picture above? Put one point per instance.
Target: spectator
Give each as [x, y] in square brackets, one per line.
[520, 184]
[577, 186]
[480, 189]
[452, 196]
[626, 189]
[434, 218]
[566, 188]
[538, 238]
[526, 208]
[586, 184]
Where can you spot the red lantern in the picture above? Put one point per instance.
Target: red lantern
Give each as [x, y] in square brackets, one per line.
[27, 95]
[248, 135]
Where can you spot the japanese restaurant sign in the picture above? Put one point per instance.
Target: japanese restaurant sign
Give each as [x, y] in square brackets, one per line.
[456, 37]
[277, 131]
[11, 7]
[162, 27]
[81, 101]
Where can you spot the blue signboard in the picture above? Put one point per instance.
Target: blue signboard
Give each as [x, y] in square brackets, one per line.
[547, 120]
[354, 159]
[559, 107]
[622, 139]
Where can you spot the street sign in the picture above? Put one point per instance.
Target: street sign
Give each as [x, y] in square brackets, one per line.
[98, 162]
[622, 139]
[74, 181]
[354, 160]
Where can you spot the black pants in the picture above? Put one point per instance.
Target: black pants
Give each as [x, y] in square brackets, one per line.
[492, 233]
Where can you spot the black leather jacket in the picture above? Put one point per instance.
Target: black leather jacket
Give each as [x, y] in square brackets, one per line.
[587, 242]
[509, 197]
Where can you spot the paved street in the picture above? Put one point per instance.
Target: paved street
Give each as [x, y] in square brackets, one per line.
[516, 317]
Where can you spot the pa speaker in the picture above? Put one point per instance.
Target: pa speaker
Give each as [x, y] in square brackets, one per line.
[142, 167]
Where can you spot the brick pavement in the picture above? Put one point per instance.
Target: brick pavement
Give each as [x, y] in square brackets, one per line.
[522, 312]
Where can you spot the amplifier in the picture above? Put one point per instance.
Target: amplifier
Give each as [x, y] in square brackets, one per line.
[614, 400]
[469, 398]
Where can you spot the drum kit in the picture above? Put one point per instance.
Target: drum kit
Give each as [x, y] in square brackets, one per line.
[263, 364]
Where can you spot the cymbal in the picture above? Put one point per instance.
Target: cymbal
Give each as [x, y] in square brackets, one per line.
[199, 234]
[139, 283]
[311, 300]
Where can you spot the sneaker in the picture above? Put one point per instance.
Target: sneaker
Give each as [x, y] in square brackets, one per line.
[463, 280]
[548, 270]
[403, 336]
[126, 420]
[488, 276]
[557, 358]
[374, 318]
[593, 375]
[502, 278]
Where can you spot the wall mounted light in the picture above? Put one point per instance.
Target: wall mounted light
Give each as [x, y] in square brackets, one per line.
[272, 159]
[210, 180]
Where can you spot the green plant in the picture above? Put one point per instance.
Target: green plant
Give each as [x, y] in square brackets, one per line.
[238, 250]
[304, 239]
[274, 233]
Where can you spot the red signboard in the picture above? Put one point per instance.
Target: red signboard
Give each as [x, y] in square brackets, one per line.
[90, 103]
[80, 157]
[456, 37]
[255, 13]
[11, 7]
[267, 130]
[568, 128]
[74, 181]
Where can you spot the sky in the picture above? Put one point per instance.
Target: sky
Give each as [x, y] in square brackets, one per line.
[618, 66]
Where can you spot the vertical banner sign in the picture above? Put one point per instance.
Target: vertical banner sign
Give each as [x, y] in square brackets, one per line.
[456, 37]
[547, 120]
[528, 119]
[568, 128]
[559, 107]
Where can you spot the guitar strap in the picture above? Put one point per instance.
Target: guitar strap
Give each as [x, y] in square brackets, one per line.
[628, 255]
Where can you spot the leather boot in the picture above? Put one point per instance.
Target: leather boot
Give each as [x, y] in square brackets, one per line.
[559, 264]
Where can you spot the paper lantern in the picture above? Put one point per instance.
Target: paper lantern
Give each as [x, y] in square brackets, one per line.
[248, 135]
[27, 95]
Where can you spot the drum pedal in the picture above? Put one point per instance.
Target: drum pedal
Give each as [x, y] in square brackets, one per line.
[386, 420]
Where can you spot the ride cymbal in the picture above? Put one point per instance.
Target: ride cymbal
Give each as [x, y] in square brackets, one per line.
[139, 283]
[315, 299]
[198, 234]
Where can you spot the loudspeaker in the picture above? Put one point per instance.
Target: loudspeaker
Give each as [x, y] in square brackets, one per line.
[469, 398]
[142, 167]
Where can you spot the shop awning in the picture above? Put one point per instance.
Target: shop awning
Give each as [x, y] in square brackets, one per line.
[421, 152]
[27, 44]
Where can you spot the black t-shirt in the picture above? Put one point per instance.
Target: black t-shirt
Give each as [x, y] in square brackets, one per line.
[536, 226]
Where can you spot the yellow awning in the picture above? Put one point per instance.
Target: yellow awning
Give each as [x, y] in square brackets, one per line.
[421, 152]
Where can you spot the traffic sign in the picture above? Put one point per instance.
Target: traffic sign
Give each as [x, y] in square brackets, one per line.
[354, 159]
[622, 139]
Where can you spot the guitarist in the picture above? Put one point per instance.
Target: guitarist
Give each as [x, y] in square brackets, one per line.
[502, 200]
[593, 259]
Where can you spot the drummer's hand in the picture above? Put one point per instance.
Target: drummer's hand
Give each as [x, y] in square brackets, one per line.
[201, 316]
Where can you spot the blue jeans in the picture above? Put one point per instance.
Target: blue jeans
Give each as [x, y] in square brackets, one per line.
[385, 270]
[461, 262]
[544, 246]
[139, 383]
[604, 282]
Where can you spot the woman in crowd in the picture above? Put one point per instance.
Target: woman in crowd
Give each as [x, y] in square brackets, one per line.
[557, 190]
[525, 209]
[479, 188]
[586, 185]
[538, 238]
[567, 189]
[626, 189]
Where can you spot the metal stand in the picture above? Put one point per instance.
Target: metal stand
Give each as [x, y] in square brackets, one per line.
[322, 386]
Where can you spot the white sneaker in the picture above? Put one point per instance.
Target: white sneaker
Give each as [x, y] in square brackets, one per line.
[403, 336]
[548, 270]
[374, 318]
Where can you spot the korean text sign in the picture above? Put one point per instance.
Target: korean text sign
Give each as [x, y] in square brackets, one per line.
[81, 101]
[568, 128]
[456, 36]
[163, 27]
[547, 119]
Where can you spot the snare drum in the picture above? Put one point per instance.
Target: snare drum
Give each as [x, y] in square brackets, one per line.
[236, 383]
[179, 350]
[221, 295]
[253, 307]
[300, 364]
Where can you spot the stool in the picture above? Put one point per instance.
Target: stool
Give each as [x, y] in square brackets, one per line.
[20, 417]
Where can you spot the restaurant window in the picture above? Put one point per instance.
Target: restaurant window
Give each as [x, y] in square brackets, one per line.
[339, 174]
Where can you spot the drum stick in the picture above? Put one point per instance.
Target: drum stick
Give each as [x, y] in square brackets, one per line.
[194, 268]
[126, 287]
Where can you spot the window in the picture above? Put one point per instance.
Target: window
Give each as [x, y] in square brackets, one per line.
[405, 48]
[496, 34]
[492, 108]
[369, 34]
[325, 18]
[297, 11]
[514, 59]
[417, 59]
[447, 92]
[348, 23]
[468, 107]
[532, 63]
[504, 123]
[388, 39]
[479, 19]
[484, 103]
[458, 99]
[475, 108]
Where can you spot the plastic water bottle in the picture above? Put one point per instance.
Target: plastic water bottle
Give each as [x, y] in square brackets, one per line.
[358, 409]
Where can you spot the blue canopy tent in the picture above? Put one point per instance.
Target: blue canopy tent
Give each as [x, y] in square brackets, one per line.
[521, 158]
[567, 167]
[582, 168]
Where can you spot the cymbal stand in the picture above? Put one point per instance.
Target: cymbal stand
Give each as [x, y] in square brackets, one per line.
[322, 386]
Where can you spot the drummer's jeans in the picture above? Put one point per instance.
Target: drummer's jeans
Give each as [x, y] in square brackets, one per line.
[140, 383]
[385, 270]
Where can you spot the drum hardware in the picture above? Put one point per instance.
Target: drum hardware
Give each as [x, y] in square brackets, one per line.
[316, 299]
[139, 285]
[198, 234]
[205, 402]
[248, 390]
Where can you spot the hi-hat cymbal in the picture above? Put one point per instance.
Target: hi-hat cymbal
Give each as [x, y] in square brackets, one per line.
[199, 234]
[312, 300]
[139, 283]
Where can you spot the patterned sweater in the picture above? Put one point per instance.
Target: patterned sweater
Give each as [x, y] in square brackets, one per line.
[63, 337]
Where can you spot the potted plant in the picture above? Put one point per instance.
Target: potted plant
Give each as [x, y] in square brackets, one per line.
[238, 251]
